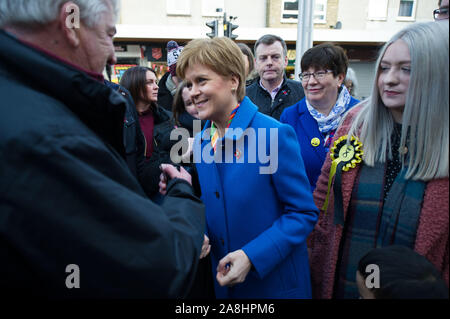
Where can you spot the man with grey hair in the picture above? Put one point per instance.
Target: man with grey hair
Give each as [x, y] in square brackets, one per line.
[272, 92]
[74, 222]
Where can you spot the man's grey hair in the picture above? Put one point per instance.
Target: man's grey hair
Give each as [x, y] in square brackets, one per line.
[41, 12]
[269, 39]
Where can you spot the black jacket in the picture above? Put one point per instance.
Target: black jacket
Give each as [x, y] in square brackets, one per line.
[148, 170]
[290, 93]
[68, 197]
[165, 97]
[133, 140]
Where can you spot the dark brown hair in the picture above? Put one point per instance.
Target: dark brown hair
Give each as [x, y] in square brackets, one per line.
[134, 81]
[248, 52]
[325, 56]
[269, 39]
[178, 106]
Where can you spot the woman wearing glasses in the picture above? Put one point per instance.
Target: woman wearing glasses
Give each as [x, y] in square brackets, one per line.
[385, 181]
[316, 117]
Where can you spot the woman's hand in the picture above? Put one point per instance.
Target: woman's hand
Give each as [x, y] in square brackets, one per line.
[168, 172]
[233, 268]
[206, 248]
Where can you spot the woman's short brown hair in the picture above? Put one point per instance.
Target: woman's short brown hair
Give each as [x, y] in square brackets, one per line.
[221, 55]
[325, 56]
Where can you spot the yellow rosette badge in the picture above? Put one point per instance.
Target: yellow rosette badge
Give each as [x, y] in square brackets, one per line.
[344, 156]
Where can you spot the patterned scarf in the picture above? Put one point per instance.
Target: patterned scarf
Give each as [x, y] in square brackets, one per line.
[371, 224]
[331, 122]
[215, 132]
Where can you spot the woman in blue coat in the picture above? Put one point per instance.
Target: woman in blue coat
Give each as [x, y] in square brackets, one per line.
[316, 117]
[259, 207]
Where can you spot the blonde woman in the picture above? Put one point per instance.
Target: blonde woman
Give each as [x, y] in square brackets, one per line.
[398, 193]
[258, 213]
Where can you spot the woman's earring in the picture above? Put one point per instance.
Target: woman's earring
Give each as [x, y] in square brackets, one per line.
[233, 90]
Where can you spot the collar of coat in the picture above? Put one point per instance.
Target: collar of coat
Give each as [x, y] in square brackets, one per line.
[244, 116]
[282, 86]
[99, 107]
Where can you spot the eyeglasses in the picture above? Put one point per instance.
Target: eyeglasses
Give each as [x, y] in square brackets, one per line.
[441, 13]
[319, 75]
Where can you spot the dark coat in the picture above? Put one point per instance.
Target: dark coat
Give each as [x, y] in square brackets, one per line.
[147, 171]
[165, 98]
[290, 93]
[68, 197]
[133, 140]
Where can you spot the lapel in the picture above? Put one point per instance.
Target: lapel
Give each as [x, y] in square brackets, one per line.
[208, 172]
[308, 126]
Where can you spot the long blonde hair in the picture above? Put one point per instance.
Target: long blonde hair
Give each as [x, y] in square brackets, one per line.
[426, 112]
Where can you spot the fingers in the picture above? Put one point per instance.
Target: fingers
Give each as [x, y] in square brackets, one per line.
[205, 251]
[183, 174]
[170, 170]
[162, 184]
[233, 268]
[223, 268]
[206, 247]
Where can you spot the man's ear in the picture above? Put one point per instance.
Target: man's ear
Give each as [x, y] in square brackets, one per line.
[69, 21]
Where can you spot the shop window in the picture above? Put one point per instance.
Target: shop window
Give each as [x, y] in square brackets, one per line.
[407, 10]
[179, 7]
[377, 9]
[289, 11]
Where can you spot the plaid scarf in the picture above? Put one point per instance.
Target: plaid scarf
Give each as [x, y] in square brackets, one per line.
[370, 223]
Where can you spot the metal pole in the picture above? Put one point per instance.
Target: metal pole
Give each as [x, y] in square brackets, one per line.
[304, 31]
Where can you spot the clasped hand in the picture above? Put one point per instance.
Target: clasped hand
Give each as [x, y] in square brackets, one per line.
[233, 268]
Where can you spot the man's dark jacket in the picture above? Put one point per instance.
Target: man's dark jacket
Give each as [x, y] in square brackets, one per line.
[290, 93]
[67, 196]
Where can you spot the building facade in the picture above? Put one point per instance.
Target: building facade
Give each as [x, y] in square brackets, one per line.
[361, 27]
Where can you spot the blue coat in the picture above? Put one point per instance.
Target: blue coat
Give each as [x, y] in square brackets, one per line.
[268, 216]
[307, 128]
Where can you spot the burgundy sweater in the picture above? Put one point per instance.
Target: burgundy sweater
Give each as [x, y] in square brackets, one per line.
[432, 240]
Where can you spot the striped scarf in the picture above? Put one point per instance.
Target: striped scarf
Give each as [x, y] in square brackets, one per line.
[215, 132]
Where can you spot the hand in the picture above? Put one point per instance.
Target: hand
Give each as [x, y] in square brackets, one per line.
[171, 172]
[233, 268]
[206, 248]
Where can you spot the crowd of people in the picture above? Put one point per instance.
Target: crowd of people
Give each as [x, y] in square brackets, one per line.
[286, 189]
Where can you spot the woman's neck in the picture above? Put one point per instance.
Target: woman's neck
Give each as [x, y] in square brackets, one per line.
[222, 122]
[142, 107]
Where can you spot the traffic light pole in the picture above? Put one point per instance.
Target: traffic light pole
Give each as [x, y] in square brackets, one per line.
[304, 31]
[222, 28]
